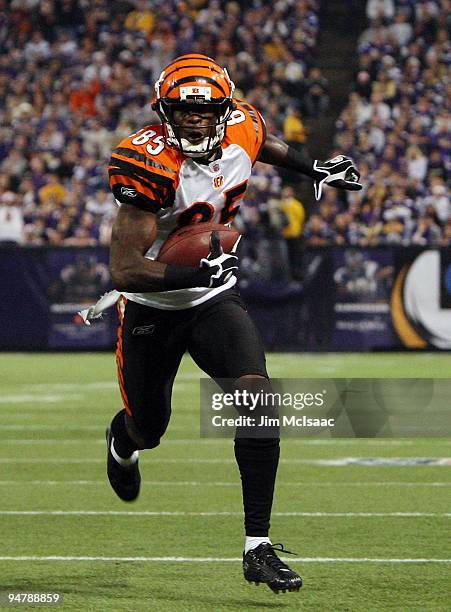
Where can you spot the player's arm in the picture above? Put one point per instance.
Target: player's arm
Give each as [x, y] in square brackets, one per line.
[339, 171]
[134, 232]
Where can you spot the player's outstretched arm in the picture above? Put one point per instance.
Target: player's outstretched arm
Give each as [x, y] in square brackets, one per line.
[134, 232]
[340, 171]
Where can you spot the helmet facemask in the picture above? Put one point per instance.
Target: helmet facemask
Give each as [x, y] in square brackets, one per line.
[177, 132]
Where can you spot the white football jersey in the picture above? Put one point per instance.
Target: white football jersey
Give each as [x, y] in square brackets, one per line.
[180, 191]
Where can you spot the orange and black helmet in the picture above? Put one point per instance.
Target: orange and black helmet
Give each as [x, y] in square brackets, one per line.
[194, 82]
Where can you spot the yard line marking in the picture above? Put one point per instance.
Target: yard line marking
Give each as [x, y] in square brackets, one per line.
[343, 462]
[49, 428]
[200, 483]
[220, 559]
[100, 430]
[105, 384]
[99, 441]
[38, 399]
[220, 513]
[353, 441]
[50, 442]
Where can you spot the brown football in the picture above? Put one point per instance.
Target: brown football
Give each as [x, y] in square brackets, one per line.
[188, 245]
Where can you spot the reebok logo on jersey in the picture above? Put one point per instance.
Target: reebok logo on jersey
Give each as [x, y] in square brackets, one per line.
[143, 330]
[129, 191]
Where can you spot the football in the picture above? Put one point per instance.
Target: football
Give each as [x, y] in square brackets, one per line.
[188, 245]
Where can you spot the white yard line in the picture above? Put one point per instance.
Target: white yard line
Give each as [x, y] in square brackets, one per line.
[83, 442]
[50, 428]
[100, 384]
[39, 399]
[200, 483]
[221, 513]
[303, 442]
[220, 559]
[342, 462]
[100, 430]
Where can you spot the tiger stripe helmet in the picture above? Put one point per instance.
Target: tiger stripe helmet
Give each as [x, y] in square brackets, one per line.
[194, 82]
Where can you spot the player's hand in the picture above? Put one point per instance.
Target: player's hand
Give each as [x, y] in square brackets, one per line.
[339, 172]
[220, 266]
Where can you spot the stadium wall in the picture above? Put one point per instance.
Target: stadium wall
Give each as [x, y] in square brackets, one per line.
[349, 299]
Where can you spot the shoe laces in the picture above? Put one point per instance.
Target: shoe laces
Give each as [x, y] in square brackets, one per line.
[272, 559]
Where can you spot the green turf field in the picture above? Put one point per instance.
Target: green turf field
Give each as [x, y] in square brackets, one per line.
[365, 538]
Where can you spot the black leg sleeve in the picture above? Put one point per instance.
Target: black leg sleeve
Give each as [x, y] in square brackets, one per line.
[123, 444]
[257, 461]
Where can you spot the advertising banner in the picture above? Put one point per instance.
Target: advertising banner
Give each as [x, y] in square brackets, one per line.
[347, 299]
[42, 291]
[77, 279]
[420, 300]
[362, 286]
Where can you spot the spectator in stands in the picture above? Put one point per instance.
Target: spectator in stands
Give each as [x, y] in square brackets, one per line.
[76, 76]
[317, 93]
[82, 99]
[11, 219]
[404, 141]
[294, 214]
[401, 29]
[317, 232]
[37, 50]
[394, 231]
[446, 238]
[436, 165]
[385, 86]
[295, 134]
[52, 190]
[141, 18]
[380, 9]
[427, 232]
[438, 199]
[341, 228]
[417, 163]
[294, 130]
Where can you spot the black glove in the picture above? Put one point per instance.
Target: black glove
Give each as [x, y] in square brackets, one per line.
[218, 267]
[339, 172]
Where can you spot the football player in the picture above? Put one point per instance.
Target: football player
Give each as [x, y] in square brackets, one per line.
[194, 168]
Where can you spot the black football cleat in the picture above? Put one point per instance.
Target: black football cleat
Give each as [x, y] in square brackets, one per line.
[125, 480]
[261, 564]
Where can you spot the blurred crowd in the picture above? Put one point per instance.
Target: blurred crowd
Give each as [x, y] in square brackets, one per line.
[76, 76]
[397, 127]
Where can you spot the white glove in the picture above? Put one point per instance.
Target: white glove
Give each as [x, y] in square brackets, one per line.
[219, 265]
[339, 172]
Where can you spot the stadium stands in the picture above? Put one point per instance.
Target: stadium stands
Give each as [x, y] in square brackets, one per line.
[396, 126]
[76, 77]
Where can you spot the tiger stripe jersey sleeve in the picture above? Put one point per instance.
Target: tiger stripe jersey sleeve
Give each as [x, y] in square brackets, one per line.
[142, 171]
[246, 127]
